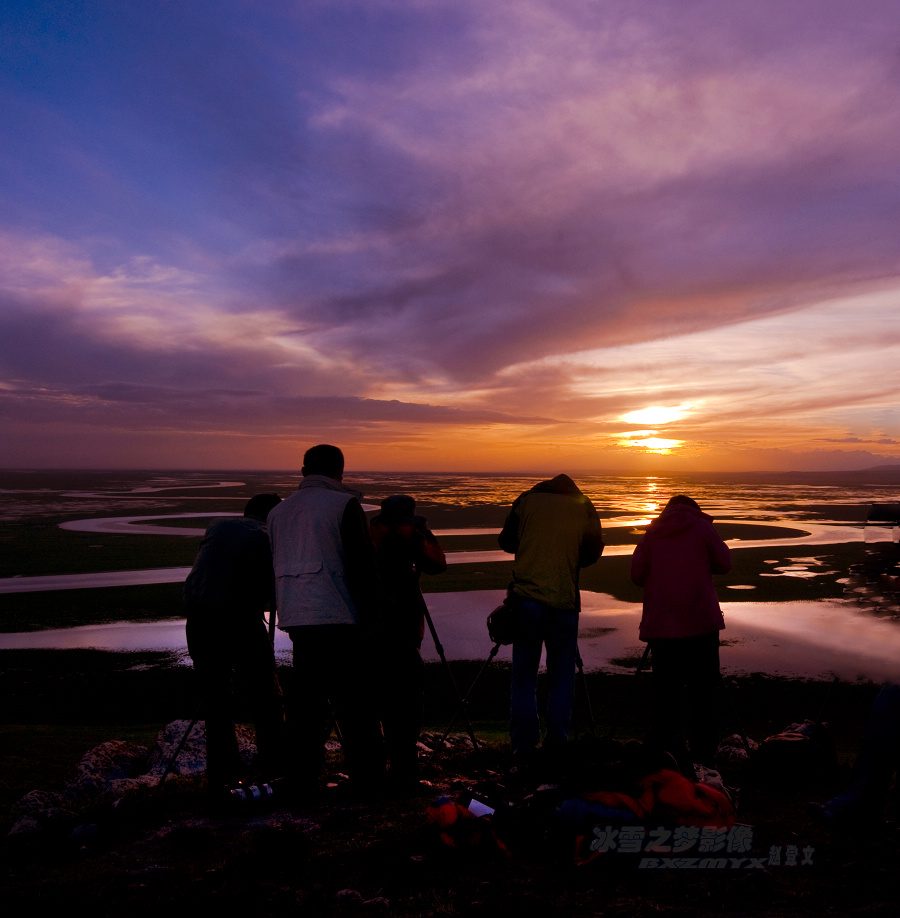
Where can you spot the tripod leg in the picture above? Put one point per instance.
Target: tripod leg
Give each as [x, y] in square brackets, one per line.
[615, 724]
[461, 702]
[734, 710]
[587, 695]
[171, 763]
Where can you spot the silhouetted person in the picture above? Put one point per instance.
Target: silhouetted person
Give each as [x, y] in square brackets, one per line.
[554, 531]
[674, 563]
[405, 548]
[327, 588]
[863, 802]
[226, 592]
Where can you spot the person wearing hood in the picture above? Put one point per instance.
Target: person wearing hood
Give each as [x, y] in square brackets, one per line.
[327, 591]
[674, 563]
[553, 530]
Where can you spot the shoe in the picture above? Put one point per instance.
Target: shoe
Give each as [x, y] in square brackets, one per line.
[523, 764]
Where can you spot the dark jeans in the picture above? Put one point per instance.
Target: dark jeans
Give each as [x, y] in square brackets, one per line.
[402, 699]
[332, 680]
[229, 653]
[686, 685]
[540, 626]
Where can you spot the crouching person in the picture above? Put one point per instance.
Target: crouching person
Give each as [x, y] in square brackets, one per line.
[226, 593]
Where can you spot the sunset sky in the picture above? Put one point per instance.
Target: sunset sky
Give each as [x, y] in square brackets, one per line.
[464, 235]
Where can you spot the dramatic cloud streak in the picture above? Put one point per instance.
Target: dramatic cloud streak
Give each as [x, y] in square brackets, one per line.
[450, 235]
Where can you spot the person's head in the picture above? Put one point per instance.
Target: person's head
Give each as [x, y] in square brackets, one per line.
[324, 460]
[681, 500]
[398, 509]
[260, 504]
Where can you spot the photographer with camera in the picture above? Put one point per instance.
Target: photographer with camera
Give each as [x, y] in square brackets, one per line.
[226, 592]
[554, 531]
[405, 548]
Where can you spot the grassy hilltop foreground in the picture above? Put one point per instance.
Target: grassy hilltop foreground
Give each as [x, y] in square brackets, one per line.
[166, 852]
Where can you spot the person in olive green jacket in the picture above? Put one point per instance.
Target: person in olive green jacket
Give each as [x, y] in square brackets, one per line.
[554, 531]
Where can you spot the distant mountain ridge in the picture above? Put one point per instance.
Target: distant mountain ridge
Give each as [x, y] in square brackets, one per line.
[877, 474]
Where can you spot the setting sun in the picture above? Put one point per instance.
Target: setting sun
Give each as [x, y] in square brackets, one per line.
[656, 444]
[656, 414]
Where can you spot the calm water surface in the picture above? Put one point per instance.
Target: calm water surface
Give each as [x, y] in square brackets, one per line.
[790, 638]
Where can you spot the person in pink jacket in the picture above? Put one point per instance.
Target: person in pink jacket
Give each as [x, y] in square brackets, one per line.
[674, 563]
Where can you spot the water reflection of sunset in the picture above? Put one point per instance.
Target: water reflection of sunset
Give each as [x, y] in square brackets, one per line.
[804, 529]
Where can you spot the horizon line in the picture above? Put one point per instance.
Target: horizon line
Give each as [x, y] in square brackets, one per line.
[527, 473]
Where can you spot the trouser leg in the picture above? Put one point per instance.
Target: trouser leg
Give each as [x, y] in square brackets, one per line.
[703, 694]
[525, 730]
[263, 691]
[354, 697]
[332, 664]
[667, 730]
[401, 709]
[561, 641]
[213, 668]
[223, 761]
[686, 688]
[308, 715]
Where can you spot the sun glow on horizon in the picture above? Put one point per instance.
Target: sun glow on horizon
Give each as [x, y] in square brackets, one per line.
[656, 444]
[653, 416]
[656, 414]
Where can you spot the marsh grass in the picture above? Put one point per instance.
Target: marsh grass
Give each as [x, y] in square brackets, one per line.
[164, 853]
[67, 608]
[40, 549]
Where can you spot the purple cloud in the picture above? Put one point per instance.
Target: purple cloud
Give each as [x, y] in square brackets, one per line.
[422, 214]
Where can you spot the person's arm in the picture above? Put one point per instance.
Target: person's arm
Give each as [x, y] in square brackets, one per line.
[359, 562]
[430, 557]
[252, 572]
[267, 575]
[719, 554]
[592, 540]
[640, 564]
[509, 535]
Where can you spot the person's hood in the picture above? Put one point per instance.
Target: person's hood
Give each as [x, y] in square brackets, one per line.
[676, 520]
[323, 481]
[562, 484]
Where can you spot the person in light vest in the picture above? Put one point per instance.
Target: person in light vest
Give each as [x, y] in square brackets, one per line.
[327, 590]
